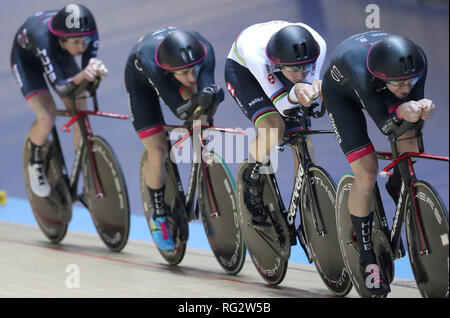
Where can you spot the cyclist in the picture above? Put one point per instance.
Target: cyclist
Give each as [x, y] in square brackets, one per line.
[177, 66]
[47, 43]
[272, 67]
[385, 75]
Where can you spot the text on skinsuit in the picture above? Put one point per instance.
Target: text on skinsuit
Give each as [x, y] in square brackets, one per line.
[48, 67]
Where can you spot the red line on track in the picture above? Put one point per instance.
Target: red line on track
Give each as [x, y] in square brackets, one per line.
[107, 258]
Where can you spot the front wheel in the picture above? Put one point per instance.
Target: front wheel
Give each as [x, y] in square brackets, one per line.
[430, 269]
[219, 213]
[324, 248]
[110, 212]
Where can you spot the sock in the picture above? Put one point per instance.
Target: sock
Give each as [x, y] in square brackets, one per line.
[157, 196]
[36, 153]
[363, 231]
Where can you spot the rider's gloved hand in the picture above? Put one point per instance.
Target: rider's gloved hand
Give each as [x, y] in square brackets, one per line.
[204, 102]
[219, 96]
[93, 69]
[209, 98]
[306, 93]
[410, 111]
[427, 108]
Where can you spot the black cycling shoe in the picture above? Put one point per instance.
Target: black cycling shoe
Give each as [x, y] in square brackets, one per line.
[253, 200]
[373, 279]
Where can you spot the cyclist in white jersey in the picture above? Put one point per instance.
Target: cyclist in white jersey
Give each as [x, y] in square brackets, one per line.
[272, 67]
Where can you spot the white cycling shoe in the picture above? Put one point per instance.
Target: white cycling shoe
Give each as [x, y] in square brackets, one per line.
[38, 181]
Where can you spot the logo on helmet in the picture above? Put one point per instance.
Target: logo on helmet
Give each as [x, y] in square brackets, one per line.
[275, 59]
[379, 74]
[73, 19]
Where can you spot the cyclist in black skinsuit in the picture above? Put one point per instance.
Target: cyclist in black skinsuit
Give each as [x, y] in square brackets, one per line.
[178, 67]
[46, 44]
[385, 75]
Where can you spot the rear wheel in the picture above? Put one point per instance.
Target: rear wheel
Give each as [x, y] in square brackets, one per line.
[269, 245]
[430, 270]
[324, 248]
[223, 231]
[111, 212]
[176, 214]
[54, 212]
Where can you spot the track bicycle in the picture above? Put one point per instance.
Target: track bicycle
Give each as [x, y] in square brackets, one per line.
[422, 211]
[312, 200]
[104, 192]
[214, 184]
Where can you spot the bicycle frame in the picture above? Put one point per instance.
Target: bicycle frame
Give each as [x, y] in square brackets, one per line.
[299, 147]
[405, 165]
[80, 117]
[189, 197]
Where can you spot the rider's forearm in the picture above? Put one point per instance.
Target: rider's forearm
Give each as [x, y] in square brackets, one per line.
[77, 79]
[389, 123]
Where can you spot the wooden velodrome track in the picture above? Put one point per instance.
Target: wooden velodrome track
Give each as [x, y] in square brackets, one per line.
[30, 267]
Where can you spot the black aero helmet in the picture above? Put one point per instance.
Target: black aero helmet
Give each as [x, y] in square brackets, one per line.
[395, 58]
[180, 49]
[292, 45]
[73, 20]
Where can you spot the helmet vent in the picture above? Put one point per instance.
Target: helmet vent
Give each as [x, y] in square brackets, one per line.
[403, 65]
[411, 62]
[300, 50]
[184, 55]
[83, 22]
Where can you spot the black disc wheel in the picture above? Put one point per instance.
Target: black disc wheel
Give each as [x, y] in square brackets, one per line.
[109, 211]
[54, 212]
[218, 207]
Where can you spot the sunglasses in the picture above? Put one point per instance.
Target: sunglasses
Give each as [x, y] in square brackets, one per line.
[411, 82]
[297, 68]
[185, 71]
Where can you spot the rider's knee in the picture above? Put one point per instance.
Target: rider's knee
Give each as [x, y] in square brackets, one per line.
[158, 155]
[368, 178]
[272, 126]
[46, 120]
[366, 170]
